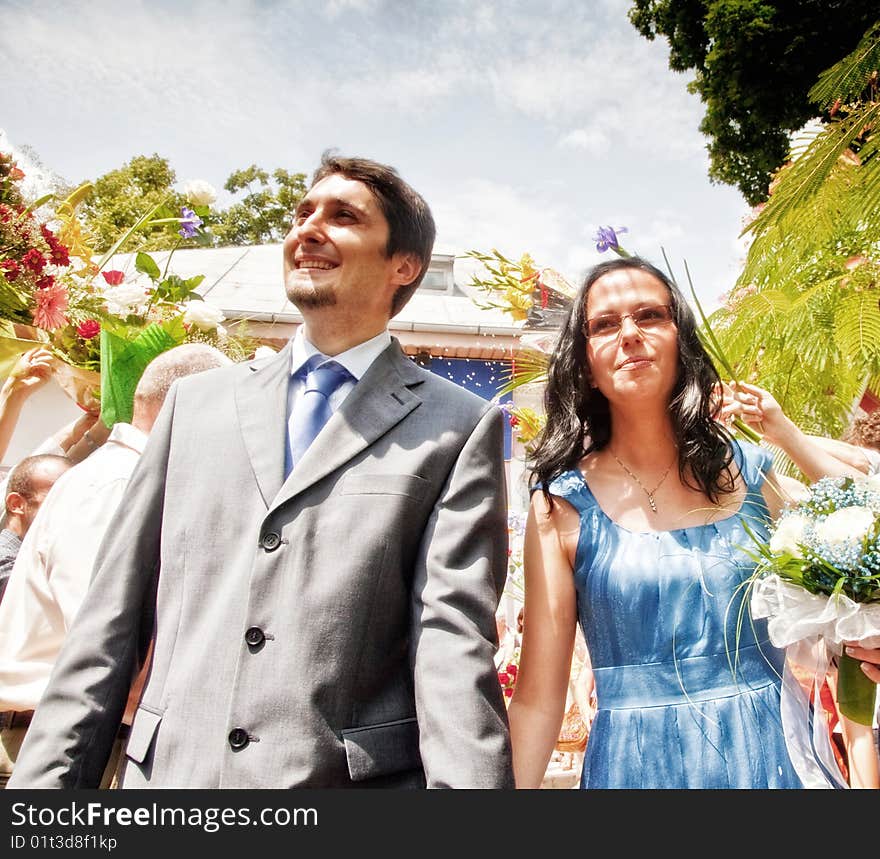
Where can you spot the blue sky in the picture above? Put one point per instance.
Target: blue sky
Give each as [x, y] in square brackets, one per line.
[525, 124]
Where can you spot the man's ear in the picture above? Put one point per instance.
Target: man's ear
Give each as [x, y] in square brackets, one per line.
[15, 503]
[407, 267]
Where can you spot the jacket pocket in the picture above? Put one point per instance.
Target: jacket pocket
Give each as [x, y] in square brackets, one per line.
[384, 749]
[143, 730]
[384, 484]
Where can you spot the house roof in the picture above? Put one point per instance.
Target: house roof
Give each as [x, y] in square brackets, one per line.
[245, 282]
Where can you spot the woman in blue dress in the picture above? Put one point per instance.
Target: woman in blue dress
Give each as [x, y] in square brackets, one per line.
[637, 530]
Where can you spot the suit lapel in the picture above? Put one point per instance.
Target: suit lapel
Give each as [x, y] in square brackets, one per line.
[379, 401]
[261, 400]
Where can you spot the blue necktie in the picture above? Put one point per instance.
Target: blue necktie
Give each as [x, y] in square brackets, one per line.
[312, 410]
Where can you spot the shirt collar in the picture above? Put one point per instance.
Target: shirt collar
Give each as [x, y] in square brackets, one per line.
[356, 360]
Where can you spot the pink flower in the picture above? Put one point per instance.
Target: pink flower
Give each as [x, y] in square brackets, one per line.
[51, 304]
[88, 329]
[113, 278]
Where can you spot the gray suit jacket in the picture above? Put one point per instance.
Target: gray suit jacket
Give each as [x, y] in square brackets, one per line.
[333, 629]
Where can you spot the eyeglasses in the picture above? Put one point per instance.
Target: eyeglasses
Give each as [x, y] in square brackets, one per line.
[645, 318]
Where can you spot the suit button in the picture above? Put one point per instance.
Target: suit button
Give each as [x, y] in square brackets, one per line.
[255, 636]
[238, 738]
[270, 541]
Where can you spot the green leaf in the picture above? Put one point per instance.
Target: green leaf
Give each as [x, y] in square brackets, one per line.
[145, 264]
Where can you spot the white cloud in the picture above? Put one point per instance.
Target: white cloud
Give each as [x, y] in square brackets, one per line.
[594, 141]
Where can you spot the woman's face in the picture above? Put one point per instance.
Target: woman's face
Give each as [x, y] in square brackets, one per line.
[632, 342]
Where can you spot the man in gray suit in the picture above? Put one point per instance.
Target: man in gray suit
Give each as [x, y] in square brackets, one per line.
[322, 611]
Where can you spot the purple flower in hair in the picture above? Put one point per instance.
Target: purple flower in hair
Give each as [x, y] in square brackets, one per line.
[189, 223]
[606, 238]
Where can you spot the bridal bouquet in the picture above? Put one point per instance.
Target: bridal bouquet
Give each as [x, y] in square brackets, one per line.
[818, 583]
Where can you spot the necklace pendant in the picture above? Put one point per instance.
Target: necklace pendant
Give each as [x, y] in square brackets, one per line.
[651, 502]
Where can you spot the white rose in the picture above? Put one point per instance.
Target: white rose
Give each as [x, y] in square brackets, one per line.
[789, 532]
[199, 192]
[850, 524]
[203, 315]
[124, 299]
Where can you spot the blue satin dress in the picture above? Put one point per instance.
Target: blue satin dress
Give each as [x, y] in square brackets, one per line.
[682, 702]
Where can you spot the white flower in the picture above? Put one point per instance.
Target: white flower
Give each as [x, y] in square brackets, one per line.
[872, 481]
[849, 524]
[201, 314]
[124, 299]
[199, 192]
[789, 532]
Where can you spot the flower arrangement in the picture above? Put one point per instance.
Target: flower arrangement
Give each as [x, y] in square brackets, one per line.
[818, 580]
[96, 320]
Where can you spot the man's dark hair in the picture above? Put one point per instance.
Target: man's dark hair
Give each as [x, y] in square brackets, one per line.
[410, 222]
[21, 478]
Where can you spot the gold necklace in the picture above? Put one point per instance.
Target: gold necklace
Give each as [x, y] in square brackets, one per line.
[635, 477]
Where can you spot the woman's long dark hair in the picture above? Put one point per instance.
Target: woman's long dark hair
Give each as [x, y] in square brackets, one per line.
[578, 416]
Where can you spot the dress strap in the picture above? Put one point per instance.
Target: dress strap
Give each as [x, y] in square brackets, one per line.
[754, 463]
[571, 487]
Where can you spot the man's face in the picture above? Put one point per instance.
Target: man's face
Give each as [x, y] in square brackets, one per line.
[335, 254]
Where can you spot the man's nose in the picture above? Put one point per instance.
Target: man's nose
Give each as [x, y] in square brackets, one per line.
[310, 229]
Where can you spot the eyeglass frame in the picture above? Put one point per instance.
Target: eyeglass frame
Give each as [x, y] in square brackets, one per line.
[621, 316]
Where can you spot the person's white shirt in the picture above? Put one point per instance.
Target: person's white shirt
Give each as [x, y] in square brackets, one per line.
[53, 568]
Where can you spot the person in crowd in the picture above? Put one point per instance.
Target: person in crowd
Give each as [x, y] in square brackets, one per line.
[54, 566]
[857, 453]
[26, 489]
[635, 531]
[319, 541]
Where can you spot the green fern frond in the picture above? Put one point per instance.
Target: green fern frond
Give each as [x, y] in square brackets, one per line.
[857, 329]
[847, 79]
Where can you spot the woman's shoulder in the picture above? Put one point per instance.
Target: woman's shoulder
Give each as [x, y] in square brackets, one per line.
[568, 485]
[753, 461]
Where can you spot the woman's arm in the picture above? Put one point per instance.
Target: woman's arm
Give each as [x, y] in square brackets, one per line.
[538, 702]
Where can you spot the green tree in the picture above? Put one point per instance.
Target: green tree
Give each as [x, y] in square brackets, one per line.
[754, 62]
[123, 195]
[804, 318]
[264, 213]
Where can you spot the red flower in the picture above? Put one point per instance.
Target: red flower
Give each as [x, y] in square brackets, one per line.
[504, 678]
[34, 260]
[45, 282]
[88, 329]
[12, 269]
[16, 173]
[113, 278]
[51, 304]
[513, 420]
[508, 692]
[512, 671]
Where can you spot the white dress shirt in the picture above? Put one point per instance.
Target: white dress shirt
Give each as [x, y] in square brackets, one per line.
[54, 565]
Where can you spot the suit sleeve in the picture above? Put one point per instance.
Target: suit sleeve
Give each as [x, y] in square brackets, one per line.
[464, 739]
[71, 736]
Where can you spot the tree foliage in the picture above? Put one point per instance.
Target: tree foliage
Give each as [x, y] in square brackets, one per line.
[804, 318]
[263, 215]
[121, 196]
[754, 62]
